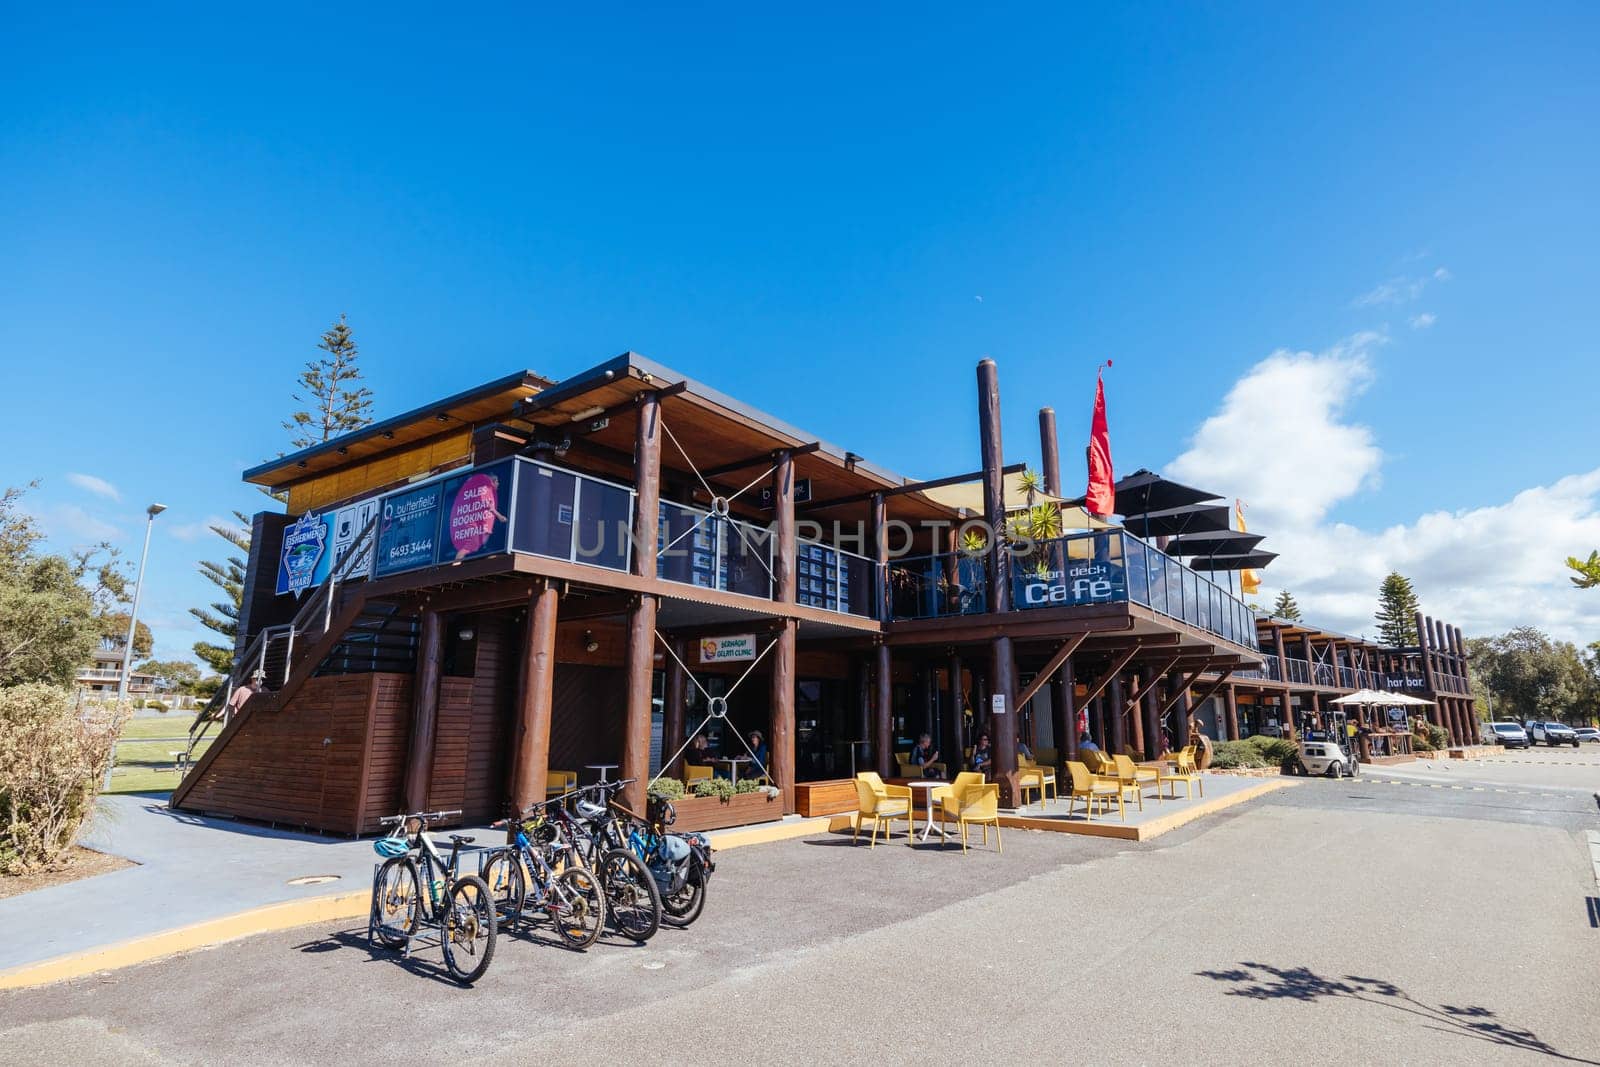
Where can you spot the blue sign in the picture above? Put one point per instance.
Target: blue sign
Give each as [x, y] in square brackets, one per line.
[408, 530]
[306, 554]
[1085, 581]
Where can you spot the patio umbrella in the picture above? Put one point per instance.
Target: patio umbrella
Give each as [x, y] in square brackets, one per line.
[1193, 518]
[1145, 491]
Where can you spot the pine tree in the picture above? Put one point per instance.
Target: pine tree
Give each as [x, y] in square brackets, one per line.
[332, 390]
[1285, 607]
[1397, 611]
[223, 616]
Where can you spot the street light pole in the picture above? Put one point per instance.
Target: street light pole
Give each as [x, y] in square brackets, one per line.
[133, 616]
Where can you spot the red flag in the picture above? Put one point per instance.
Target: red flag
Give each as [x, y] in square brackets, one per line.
[1102, 495]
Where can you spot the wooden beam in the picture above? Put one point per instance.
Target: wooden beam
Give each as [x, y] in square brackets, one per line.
[909, 487]
[1177, 693]
[1104, 680]
[755, 461]
[1155, 676]
[1062, 654]
[1211, 689]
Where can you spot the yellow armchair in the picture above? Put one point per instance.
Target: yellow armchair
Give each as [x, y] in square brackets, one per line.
[979, 805]
[882, 804]
[1092, 789]
[948, 797]
[1187, 773]
[1042, 780]
[558, 782]
[914, 770]
[1140, 776]
[693, 773]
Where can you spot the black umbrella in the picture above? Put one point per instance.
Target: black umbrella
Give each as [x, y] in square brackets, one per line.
[1145, 491]
[1240, 562]
[1195, 518]
[1213, 543]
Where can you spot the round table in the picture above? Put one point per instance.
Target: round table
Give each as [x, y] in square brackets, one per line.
[927, 785]
[733, 765]
[601, 767]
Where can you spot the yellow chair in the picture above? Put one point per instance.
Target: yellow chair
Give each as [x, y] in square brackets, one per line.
[1042, 780]
[558, 782]
[1091, 789]
[1129, 771]
[1186, 773]
[882, 804]
[979, 805]
[1097, 761]
[948, 797]
[914, 770]
[693, 773]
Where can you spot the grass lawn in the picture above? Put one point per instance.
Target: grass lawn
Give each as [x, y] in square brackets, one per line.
[172, 724]
[146, 766]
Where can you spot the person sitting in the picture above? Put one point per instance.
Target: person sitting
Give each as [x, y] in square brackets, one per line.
[699, 751]
[1086, 743]
[1023, 750]
[924, 755]
[758, 748]
[982, 754]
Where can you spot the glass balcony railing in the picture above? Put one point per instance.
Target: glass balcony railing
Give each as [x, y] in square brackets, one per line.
[1097, 567]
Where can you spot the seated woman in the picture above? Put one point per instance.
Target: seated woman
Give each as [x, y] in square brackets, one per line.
[982, 755]
[758, 746]
[924, 755]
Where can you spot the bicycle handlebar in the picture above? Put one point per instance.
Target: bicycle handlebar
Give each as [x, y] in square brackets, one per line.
[422, 816]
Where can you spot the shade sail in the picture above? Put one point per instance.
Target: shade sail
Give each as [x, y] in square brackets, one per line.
[1145, 491]
[1242, 561]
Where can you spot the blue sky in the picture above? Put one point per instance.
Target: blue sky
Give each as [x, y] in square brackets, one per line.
[804, 209]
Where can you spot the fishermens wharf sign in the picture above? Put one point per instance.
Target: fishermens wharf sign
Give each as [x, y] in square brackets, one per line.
[1082, 582]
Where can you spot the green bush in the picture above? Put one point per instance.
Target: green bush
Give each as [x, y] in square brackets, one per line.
[1421, 742]
[666, 789]
[748, 785]
[720, 788]
[1274, 750]
[1227, 755]
[1438, 737]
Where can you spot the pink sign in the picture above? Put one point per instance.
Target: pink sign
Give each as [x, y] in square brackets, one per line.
[473, 513]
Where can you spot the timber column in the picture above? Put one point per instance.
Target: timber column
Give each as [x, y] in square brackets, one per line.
[780, 745]
[530, 762]
[1231, 694]
[672, 708]
[1117, 708]
[640, 662]
[1003, 674]
[882, 681]
[424, 711]
[950, 740]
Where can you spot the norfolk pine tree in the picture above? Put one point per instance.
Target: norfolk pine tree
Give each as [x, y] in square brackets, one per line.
[332, 390]
[1285, 607]
[1397, 611]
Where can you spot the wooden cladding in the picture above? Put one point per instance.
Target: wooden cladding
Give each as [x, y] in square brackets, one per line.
[381, 472]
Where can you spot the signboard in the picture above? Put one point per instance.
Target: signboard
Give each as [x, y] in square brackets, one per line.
[1404, 681]
[408, 530]
[997, 704]
[729, 648]
[306, 554]
[802, 494]
[474, 513]
[1397, 716]
[1083, 582]
[348, 522]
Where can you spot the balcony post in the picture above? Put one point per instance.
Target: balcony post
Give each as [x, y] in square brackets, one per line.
[950, 737]
[1049, 451]
[424, 711]
[673, 719]
[530, 762]
[1003, 679]
[780, 742]
[882, 726]
[640, 657]
[1231, 694]
[880, 555]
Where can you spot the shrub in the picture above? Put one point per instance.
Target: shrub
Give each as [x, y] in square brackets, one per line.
[1421, 742]
[1438, 737]
[1226, 755]
[1274, 750]
[748, 785]
[51, 761]
[666, 789]
[720, 788]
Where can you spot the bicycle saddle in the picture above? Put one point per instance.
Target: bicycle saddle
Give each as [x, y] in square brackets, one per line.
[461, 839]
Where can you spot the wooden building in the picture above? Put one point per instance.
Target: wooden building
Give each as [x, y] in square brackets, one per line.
[537, 575]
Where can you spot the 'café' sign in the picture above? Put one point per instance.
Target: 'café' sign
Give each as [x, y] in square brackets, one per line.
[1083, 582]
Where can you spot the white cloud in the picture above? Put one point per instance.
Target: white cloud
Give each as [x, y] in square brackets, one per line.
[1424, 320]
[1294, 397]
[1401, 290]
[97, 486]
[194, 531]
[1283, 442]
[69, 525]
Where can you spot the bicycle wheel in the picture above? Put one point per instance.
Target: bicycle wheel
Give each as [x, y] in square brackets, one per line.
[396, 901]
[631, 895]
[467, 933]
[577, 907]
[684, 905]
[502, 877]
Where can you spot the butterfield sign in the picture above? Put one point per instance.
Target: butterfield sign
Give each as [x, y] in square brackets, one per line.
[726, 649]
[1082, 582]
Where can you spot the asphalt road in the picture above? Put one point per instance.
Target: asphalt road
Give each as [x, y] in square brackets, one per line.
[1369, 921]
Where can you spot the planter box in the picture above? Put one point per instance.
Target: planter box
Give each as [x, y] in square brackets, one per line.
[710, 813]
[825, 798]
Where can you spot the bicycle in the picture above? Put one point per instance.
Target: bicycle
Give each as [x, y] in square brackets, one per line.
[680, 864]
[458, 905]
[571, 897]
[632, 898]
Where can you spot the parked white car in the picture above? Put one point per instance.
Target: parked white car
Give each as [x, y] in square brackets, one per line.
[1327, 758]
[1552, 734]
[1508, 734]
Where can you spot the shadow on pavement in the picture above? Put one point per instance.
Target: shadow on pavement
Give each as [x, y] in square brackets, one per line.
[1262, 981]
[419, 963]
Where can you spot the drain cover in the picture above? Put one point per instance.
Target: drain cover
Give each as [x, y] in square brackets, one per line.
[314, 879]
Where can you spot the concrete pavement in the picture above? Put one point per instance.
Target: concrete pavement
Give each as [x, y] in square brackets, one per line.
[1349, 920]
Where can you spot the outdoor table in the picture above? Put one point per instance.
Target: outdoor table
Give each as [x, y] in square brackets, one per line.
[601, 767]
[927, 785]
[733, 765]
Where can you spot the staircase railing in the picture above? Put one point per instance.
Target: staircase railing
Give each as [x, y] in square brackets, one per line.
[269, 657]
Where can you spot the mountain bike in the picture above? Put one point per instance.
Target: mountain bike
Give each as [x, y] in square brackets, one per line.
[680, 864]
[536, 872]
[632, 898]
[416, 886]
